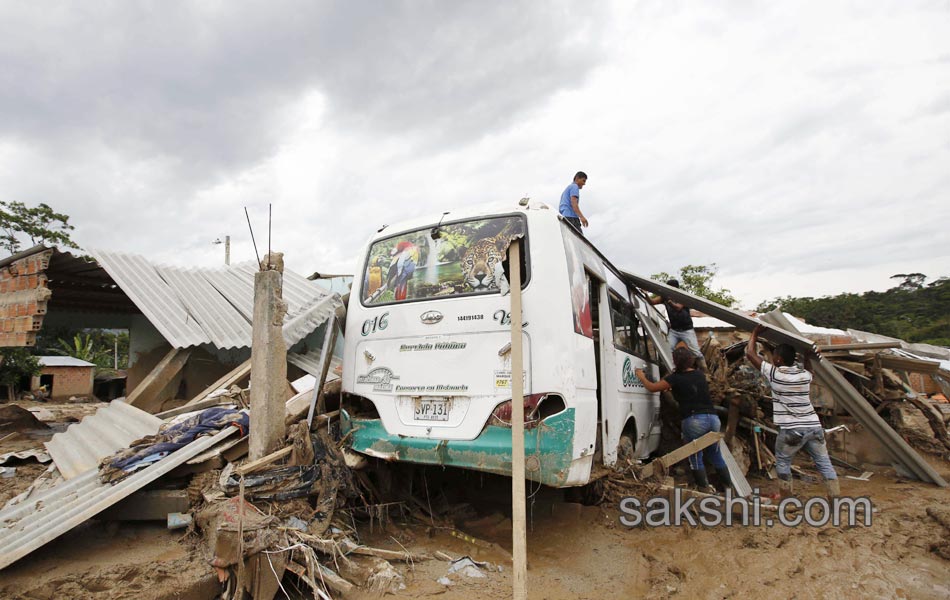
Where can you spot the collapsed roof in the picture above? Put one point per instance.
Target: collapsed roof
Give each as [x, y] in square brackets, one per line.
[188, 306]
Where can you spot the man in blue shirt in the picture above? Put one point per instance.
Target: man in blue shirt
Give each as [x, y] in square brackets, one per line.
[570, 199]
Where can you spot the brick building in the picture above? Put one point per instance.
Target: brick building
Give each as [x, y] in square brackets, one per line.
[64, 377]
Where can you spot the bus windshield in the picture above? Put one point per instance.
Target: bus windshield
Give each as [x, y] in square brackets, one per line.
[449, 260]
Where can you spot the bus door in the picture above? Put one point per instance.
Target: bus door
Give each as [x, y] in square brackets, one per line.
[627, 406]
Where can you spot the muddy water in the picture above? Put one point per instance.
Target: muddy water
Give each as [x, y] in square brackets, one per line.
[576, 552]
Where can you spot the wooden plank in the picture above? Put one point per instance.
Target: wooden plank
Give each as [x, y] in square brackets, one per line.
[681, 453]
[732, 420]
[233, 377]
[519, 536]
[146, 395]
[688, 493]
[858, 346]
[845, 369]
[901, 363]
[263, 461]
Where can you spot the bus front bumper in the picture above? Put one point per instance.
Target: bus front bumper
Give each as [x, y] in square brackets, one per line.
[548, 448]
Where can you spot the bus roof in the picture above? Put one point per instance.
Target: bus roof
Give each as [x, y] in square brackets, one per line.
[458, 214]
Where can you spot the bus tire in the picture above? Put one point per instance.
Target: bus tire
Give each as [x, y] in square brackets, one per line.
[627, 446]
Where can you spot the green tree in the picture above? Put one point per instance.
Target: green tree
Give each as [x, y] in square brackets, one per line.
[912, 281]
[698, 280]
[41, 224]
[84, 348]
[912, 311]
[17, 365]
[62, 341]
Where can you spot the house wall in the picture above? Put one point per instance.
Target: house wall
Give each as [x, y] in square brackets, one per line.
[68, 381]
[23, 299]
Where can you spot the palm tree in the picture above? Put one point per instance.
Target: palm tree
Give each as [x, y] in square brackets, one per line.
[83, 348]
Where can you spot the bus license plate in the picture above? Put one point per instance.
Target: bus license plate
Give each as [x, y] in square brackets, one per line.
[432, 410]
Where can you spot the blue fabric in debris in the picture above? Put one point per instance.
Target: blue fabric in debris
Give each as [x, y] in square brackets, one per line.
[170, 439]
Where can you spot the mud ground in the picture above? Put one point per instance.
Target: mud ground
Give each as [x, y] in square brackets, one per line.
[574, 551]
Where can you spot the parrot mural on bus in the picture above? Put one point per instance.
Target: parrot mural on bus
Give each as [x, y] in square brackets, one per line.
[405, 257]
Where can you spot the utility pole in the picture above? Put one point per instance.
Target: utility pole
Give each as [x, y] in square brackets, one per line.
[519, 541]
[268, 360]
[227, 248]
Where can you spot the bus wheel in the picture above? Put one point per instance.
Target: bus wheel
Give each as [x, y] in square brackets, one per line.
[626, 449]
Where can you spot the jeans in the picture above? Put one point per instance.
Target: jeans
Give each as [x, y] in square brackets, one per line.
[576, 222]
[812, 439]
[688, 336]
[694, 427]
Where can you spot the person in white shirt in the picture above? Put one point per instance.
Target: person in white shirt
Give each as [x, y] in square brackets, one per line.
[794, 415]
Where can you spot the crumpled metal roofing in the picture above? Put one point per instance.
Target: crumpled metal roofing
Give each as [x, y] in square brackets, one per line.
[39, 455]
[97, 436]
[34, 523]
[194, 306]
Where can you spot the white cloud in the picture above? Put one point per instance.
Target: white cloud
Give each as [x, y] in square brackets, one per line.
[801, 147]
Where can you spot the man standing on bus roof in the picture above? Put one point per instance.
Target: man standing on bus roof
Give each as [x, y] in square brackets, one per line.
[681, 324]
[570, 201]
[793, 413]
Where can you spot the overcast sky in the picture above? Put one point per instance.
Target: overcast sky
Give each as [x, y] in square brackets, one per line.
[803, 147]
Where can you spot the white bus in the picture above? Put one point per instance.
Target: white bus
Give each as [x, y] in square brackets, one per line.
[427, 362]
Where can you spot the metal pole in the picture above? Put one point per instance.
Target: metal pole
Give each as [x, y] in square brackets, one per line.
[317, 401]
[227, 250]
[518, 530]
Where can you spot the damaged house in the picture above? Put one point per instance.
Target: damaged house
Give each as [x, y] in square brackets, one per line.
[188, 327]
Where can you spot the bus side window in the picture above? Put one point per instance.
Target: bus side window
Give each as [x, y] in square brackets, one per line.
[626, 327]
[648, 346]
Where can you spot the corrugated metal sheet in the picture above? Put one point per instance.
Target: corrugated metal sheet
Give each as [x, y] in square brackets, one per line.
[298, 290]
[197, 306]
[33, 524]
[35, 453]
[141, 282]
[308, 319]
[63, 361]
[226, 327]
[236, 288]
[863, 412]
[97, 436]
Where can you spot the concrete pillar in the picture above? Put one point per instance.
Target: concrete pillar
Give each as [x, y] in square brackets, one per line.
[268, 363]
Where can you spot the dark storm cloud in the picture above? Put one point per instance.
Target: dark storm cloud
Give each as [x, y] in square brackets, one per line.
[209, 85]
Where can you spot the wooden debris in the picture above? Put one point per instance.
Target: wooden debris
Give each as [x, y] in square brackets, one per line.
[232, 378]
[913, 365]
[347, 546]
[256, 465]
[681, 453]
[147, 394]
[481, 543]
[858, 346]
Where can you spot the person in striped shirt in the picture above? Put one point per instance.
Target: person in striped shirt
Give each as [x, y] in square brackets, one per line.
[792, 411]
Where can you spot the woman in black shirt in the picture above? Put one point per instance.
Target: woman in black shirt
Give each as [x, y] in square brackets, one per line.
[691, 392]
